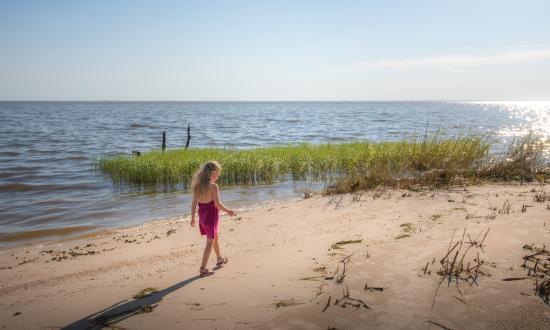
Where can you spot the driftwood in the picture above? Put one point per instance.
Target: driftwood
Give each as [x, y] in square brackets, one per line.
[188, 136]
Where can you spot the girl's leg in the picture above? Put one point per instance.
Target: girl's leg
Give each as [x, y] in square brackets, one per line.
[207, 251]
[217, 247]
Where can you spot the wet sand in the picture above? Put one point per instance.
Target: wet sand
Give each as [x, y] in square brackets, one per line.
[285, 265]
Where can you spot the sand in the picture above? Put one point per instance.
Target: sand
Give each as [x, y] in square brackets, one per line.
[284, 267]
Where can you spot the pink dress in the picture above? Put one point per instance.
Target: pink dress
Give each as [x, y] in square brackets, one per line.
[208, 219]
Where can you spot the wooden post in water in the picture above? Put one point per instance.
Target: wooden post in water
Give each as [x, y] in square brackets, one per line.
[163, 140]
[188, 136]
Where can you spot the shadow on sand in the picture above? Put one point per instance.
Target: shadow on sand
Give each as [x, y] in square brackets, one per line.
[125, 309]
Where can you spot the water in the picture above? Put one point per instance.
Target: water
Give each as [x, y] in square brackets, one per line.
[48, 184]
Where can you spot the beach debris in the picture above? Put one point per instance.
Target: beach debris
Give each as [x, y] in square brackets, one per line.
[170, 232]
[515, 278]
[27, 261]
[426, 268]
[340, 276]
[336, 200]
[542, 197]
[537, 265]
[435, 217]
[145, 293]
[286, 303]
[378, 192]
[320, 269]
[457, 265]
[194, 306]
[372, 288]
[461, 300]
[238, 218]
[147, 309]
[347, 300]
[16, 314]
[72, 253]
[308, 194]
[407, 227]
[312, 278]
[506, 208]
[327, 305]
[338, 245]
[524, 208]
[357, 196]
[472, 216]
[439, 325]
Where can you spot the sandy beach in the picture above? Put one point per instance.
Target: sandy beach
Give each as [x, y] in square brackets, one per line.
[373, 260]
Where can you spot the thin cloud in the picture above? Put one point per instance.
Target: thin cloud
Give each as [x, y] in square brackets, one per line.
[451, 62]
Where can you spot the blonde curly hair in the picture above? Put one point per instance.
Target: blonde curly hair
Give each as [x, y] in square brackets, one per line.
[201, 178]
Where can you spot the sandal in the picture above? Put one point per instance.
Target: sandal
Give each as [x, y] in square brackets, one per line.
[205, 272]
[221, 262]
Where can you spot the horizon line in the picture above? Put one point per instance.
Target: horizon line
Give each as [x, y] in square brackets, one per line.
[283, 101]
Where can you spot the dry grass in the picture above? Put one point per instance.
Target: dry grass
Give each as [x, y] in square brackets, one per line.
[439, 163]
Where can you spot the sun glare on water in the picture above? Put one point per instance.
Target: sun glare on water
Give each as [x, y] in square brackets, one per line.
[531, 116]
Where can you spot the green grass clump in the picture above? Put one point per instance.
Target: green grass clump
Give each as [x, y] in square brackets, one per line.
[345, 167]
[249, 166]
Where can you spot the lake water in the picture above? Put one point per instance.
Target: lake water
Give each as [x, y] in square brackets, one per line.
[49, 186]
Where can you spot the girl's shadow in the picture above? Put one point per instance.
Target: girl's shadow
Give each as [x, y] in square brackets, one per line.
[125, 309]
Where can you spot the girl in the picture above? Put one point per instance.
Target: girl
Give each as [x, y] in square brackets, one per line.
[207, 195]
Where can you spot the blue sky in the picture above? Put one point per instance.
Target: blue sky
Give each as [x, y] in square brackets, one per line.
[274, 50]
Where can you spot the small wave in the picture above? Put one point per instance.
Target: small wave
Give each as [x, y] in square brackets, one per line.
[11, 187]
[9, 153]
[78, 158]
[7, 174]
[42, 233]
[138, 125]
[22, 187]
[50, 202]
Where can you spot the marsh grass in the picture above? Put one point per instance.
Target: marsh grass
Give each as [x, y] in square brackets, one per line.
[250, 166]
[437, 163]
[345, 167]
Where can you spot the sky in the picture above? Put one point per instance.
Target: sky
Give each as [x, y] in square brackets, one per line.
[274, 50]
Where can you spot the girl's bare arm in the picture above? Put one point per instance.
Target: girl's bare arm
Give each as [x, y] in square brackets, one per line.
[193, 210]
[219, 205]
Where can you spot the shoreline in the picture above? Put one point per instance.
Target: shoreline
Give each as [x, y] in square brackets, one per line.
[281, 260]
[18, 239]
